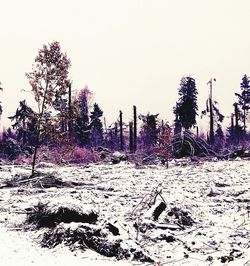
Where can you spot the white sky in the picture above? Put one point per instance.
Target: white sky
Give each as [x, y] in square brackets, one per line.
[129, 51]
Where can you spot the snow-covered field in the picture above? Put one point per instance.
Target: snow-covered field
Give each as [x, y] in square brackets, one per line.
[205, 219]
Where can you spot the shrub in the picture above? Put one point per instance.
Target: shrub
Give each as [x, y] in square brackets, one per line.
[82, 155]
[71, 154]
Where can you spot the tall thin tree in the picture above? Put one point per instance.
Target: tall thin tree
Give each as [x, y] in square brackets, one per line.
[211, 112]
[135, 128]
[244, 99]
[49, 80]
[121, 132]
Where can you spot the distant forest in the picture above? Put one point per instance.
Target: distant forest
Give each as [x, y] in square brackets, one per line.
[68, 127]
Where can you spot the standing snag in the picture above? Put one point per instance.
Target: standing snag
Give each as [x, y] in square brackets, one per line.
[121, 132]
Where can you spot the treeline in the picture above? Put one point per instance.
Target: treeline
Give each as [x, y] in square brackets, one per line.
[64, 119]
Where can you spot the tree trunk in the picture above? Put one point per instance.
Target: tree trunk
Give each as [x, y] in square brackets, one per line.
[39, 131]
[116, 136]
[70, 113]
[135, 128]
[232, 129]
[131, 137]
[34, 161]
[24, 133]
[211, 132]
[244, 121]
[197, 132]
[121, 133]
[237, 133]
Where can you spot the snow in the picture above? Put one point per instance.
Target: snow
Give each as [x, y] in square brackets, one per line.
[215, 194]
[22, 250]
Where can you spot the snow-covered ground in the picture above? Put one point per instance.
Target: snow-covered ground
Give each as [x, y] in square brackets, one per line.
[213, 197]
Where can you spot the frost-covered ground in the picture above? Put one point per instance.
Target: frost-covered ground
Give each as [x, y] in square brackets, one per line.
[206, 220]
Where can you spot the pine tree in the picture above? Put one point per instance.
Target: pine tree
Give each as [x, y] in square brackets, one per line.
[186, 107]
[244, 99]
[96, 127]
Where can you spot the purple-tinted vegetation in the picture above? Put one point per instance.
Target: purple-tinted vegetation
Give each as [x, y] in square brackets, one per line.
[68, 128]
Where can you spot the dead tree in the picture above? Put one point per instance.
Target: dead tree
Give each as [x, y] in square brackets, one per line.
[211, 122]
[236, 114]
[164, 143]
[131, 137]
[135, 128]
[116, 134]
[121, 132]
[232, 129]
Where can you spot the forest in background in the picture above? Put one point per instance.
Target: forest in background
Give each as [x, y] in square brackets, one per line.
[70, 128]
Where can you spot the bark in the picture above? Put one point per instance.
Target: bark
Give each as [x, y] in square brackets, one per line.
[121, 133]
[211, 132]
[135, 128]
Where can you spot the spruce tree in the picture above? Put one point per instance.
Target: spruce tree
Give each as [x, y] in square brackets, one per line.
[186, 107]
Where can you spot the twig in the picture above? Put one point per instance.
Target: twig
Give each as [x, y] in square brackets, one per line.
[246, 263]
[212, 247]
[188, 232]
[168, 226]
[247, 244]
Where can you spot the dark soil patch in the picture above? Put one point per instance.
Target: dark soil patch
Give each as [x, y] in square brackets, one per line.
[183, 217]
[221, 185]
[113, 229]
[243, 200]
[41, 216]
[167, 238]
[213, 194]
[94, 238]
